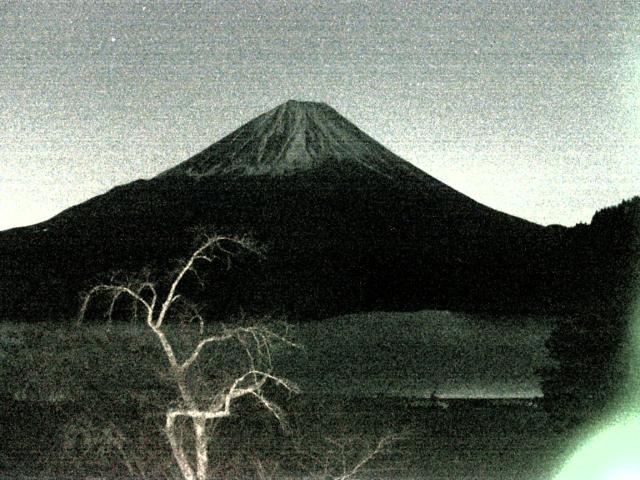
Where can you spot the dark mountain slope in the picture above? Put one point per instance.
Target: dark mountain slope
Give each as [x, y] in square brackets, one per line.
[347, 225]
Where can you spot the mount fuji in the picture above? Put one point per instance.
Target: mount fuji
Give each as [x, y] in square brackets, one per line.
[347, 226]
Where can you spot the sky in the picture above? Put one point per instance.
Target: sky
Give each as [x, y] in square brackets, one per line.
[530, 107]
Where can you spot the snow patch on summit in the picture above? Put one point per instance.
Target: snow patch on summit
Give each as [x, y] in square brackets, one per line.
[293, 137]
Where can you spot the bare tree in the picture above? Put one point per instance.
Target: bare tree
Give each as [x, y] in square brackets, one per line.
[156, 305]
[341, 457]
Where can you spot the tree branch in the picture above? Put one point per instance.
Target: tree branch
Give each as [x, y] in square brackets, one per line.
[198, 254]
[203, 343]
[115, 290]
[382, 443]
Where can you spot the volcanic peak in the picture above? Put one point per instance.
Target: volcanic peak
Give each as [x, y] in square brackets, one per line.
[295, 136]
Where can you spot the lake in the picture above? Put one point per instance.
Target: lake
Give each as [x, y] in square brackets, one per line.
[413, 353]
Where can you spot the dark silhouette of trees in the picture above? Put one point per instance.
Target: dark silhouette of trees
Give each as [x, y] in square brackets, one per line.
[588, 348]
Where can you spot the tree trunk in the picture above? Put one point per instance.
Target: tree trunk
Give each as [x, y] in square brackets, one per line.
[202, 457]
[178, 452]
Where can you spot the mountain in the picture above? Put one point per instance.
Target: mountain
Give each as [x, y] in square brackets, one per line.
[347, 226]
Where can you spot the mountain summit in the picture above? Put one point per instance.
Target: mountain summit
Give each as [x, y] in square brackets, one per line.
[293, 137]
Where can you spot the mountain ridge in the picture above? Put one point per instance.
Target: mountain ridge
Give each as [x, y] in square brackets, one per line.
[348, 226]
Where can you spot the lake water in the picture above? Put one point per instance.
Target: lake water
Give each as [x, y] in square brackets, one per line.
[414, 353]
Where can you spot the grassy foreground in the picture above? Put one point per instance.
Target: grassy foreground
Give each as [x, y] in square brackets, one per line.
[89, 400]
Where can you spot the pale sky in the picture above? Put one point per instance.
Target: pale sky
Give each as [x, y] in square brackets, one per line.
[530, 107]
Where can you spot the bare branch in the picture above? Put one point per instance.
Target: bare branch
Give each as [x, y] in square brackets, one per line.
[262, 336]
[235, 391]
[147, 285]
[221, 404]
[273, 408]
[205, 258]
[115, 290]
[168, 349]
[195, 273]
[339, 459]
[189, 311]
[109, 312]
[379, 448]
[188, 265]
[203, 343]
